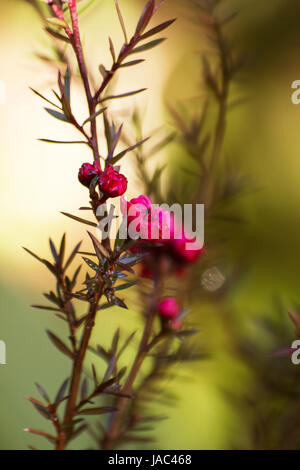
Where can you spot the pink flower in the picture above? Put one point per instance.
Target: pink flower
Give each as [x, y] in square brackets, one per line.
[112, 183]
[151, 222]
[87, 172]
[180, 250]
[169, 308]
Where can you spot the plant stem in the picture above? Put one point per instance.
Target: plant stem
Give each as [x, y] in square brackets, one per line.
[125, 51]
[92, 102]
[115, 426]
[66, 429]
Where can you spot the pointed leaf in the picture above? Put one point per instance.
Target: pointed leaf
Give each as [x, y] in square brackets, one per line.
[122, 95]
[79, 219]
[148, 46]
[61, 391]
[57, 114]
[158, 29]
[145, 17]
[59, 344]
[121, 21]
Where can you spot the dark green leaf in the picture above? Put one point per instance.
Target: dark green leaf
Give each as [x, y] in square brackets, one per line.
[49, 141]
[91, 264]
[79, 219]
[72, 255]
[157, 29]
[41, 433]
[121, 21]
[112, 50]
[99, 248]
[57, 35]
[120, 303]
[129, 149]
[122, 95]
[145, 17]
[93, 116]
[45, 307]
[57, 115]
[61, 391]
[84, 388]
[41, 96]
[42, 392]
[148, 46]
[53, 250]
[62, 249]
[132, 62]
[67, 92]
[125, 286]
[97, 411]
[59, 344]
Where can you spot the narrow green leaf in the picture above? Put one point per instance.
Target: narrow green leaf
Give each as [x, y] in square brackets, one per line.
[57, 115]
[43, 98]
[57, 35]
[72, 255]
[44, 261]
[42, 392]
[53, 250]
[122, 95]
[49, 141]
[97, 411]
[62, 249]
[120, 303]
[157, 29]
[56, 22]
[41, 433]
[79, 219]
[112, 50]
[145, 17]
[125, 286]
[46, 307]
[121, 21]
[132, 62]
[61, 392]
[84, 388]
[67, 80]
[148, 46]
[93, 116]
[59, 344]
[99, 247]
[129, 149]
[91, 264]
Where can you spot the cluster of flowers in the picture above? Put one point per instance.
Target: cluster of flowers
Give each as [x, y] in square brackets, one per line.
[111, 182]
[152, 224]
[160, 232]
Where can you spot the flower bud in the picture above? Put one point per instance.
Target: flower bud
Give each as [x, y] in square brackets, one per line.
[175, 325]
[169, 308]
[87, 172]
[112, 183]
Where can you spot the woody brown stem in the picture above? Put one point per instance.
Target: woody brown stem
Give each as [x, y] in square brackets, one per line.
[115, 427]
[77, 46]
[70, 412]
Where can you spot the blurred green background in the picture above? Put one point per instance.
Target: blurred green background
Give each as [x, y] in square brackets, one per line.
[38, 181]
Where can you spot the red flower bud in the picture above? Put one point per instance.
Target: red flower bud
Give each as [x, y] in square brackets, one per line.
[112, 183]
[87, 172]
[180, 250]
[176, 325]
[169, 308]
